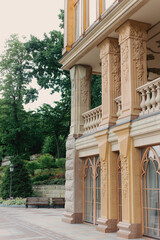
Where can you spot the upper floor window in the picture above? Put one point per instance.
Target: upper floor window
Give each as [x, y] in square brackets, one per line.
[77, 19]
[107, 3]
[92, 11]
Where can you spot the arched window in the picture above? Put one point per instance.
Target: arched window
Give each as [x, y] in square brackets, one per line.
[150, 172]
[92, 189]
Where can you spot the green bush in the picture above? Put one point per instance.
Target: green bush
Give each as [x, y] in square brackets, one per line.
[60, 162]
[46, 161]
[21, 183]
[40, 178]
[60, 181]
[38, 172]
[16, 201]
[32, 166]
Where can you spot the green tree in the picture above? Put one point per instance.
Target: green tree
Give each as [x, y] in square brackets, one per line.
[56, 123]
[15, 69]
[21, 183]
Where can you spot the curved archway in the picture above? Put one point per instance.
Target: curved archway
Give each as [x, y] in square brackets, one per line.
[150, 174]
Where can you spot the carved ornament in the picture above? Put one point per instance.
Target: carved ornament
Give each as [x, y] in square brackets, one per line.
[125, 174]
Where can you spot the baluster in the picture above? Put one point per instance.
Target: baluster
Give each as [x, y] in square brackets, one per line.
[153, 99]
[158, 97]
[148, 101]
[119, 107]
[143, 105]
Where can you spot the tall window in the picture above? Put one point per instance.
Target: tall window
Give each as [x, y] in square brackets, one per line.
[151, 191]
[92, 189]
[92, 11]
[108, 3]
[77, 19]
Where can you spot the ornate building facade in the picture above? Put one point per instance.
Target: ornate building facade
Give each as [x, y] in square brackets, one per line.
[113, 150]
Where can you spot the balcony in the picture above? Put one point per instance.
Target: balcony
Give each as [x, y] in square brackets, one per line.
[150, 95]
[92, 119]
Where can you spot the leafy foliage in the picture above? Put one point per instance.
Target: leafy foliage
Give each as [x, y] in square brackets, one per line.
[60, 162]
[56, 122]
[21, 183]
[32, 166]
[46, 161]
[16, 74]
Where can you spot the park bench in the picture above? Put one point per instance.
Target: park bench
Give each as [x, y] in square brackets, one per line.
[58, 202]
[37, 201]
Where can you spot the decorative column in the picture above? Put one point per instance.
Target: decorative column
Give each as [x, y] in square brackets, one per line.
[132, 40]
[111, 79]
[130, 227]
[80, 103]
[68, 25]
[108, 220]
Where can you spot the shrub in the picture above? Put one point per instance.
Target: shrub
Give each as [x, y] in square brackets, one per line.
[21, 183]
[40, 178]
[32, 166]
[60, 181]
[60, 162]
[46, 161]
[16, 201]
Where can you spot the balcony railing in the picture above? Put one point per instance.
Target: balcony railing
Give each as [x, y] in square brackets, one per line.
[150, 94]
[119, 106]
[92, 119]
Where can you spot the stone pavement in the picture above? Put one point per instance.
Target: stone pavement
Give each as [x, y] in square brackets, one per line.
[44, 224]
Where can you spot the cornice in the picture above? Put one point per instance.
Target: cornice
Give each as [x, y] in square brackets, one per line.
[119, 14]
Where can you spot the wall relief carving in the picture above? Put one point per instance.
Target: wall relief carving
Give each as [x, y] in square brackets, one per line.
[116, 73]
[103, 176]
[125, 60]
[125, 174]
[138, 58]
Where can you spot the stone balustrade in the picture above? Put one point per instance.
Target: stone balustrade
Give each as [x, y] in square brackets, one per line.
[92, 119]
[119, 106]
[150, 94]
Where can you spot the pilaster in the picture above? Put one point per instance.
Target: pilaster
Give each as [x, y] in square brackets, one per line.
[130, 227]
[111, 79]
[80, 103]
[80, 96]
[108, 220]
[132, 40]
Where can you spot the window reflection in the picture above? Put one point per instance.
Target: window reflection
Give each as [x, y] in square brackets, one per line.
[151, 191]
[108, 3]
[92, 11]
[77, 19]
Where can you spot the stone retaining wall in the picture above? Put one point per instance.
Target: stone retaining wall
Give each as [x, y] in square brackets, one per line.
[49, 190]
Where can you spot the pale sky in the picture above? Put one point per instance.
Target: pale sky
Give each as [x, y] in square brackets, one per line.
[30, 17]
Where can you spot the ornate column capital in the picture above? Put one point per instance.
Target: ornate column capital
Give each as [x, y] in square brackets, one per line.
[109, 46]
[133, 29]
